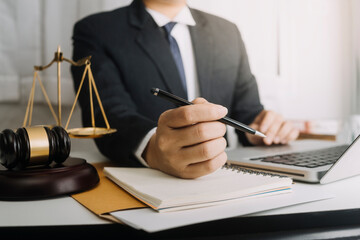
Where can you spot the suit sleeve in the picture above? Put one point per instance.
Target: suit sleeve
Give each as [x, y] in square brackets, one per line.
[119, 107]
[246, 103]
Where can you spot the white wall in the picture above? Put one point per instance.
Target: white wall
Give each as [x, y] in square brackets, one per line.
[317, 38]
[299, 50]
[355, 6]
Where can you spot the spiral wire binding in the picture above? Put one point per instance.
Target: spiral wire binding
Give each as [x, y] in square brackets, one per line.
[250, 171]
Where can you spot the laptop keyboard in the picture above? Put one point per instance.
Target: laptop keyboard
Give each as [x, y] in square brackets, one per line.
[308, 159]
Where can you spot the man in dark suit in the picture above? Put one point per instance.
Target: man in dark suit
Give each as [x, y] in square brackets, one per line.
[165, 44]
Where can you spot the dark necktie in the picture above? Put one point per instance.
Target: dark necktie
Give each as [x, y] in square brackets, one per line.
[174, 47]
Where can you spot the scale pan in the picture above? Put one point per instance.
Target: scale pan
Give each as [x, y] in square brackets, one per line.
[89, 132]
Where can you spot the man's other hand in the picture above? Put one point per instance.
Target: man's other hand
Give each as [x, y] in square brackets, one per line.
[189, 142]
[276, 129]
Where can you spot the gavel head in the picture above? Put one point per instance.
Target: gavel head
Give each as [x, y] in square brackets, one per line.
[32, 146]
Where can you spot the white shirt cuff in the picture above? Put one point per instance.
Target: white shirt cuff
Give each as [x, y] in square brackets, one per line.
[140, 149]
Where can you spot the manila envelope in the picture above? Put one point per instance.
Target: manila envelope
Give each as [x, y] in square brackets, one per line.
[106, 197]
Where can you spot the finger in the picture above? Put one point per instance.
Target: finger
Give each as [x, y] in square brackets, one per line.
[273, 130]
[199, 101]
[268, 119]
[206, 167]
[198, 133]
[192, 114]
[283, 133]
[203, 151]
[294, 134]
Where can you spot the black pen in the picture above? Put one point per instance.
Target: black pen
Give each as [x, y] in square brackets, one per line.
[182, 102]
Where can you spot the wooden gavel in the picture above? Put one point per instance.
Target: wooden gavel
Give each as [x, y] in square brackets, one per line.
[31, 146]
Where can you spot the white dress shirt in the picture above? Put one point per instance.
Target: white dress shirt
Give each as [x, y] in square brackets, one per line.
[182, 36]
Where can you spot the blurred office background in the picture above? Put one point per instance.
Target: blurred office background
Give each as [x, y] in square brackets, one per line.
[305, 54]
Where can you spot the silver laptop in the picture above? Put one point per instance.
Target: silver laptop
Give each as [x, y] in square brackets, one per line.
[304, 160]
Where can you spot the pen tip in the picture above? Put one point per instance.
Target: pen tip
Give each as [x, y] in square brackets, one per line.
[155, 91]
[260, 134]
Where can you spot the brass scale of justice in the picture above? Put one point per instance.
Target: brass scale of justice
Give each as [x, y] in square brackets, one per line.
[73, 175]
[85, 132]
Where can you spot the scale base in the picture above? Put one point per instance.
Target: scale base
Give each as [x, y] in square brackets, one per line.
[34, 183]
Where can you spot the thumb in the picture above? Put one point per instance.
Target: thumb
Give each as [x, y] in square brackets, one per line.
[255, 125]
[259, 118]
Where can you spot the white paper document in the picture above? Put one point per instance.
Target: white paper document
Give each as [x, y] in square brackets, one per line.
[151, 221]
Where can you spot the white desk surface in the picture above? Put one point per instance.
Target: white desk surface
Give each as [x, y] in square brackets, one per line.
[67, 211]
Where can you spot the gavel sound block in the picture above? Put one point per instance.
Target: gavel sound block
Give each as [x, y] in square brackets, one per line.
[35, 164]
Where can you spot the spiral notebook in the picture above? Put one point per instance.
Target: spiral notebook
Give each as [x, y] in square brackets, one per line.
[165, 193]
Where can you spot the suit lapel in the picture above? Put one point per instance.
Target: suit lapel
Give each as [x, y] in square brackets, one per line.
[203, 45]
[152, 41]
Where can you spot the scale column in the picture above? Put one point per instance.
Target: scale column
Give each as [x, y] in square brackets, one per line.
[59, 84]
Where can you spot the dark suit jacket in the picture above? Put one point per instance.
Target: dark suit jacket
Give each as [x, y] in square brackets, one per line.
[130, 55]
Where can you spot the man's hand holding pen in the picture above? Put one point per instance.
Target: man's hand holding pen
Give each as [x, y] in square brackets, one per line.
[189, 141]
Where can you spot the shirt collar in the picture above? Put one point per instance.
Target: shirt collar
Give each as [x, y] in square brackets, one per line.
[184, 17]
